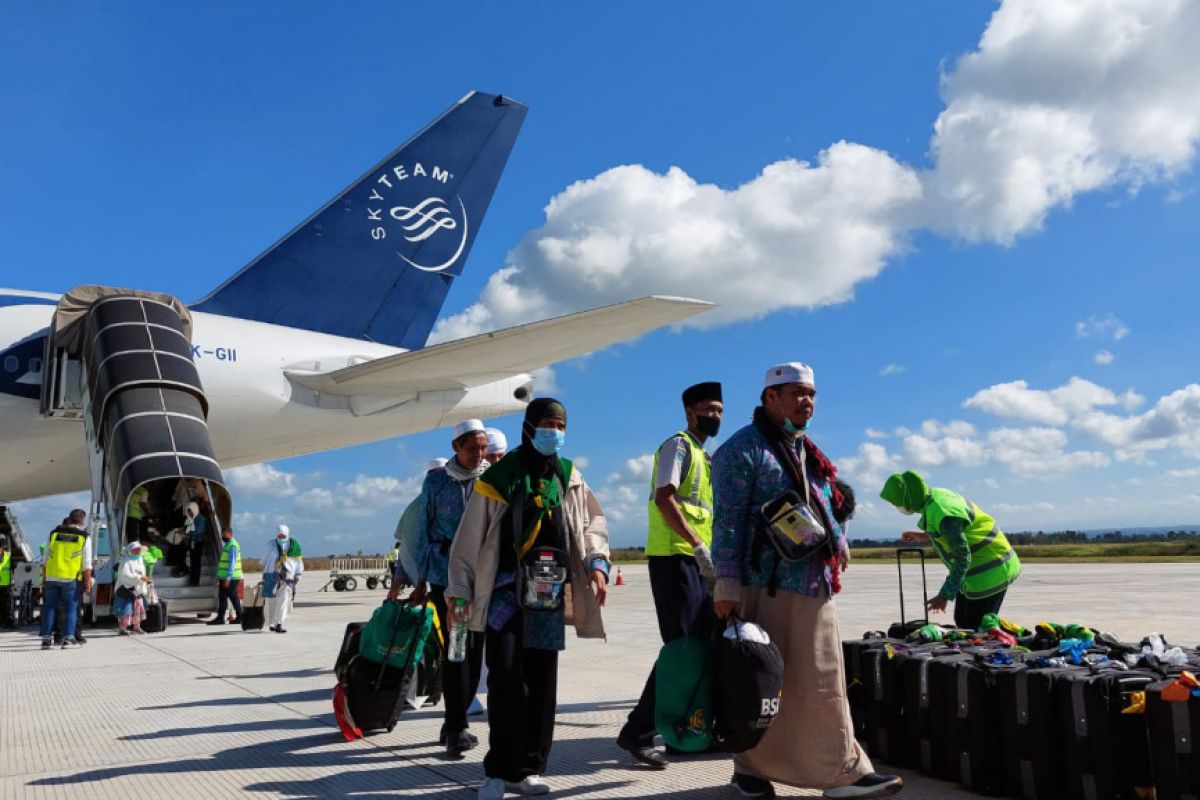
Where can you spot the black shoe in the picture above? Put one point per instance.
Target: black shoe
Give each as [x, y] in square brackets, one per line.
[217, 621]
[80, 639]
[644, 749]
[280, 629]
[272, 628]
[46, 644]
[460, 742]
[869, 786]
[750, 786]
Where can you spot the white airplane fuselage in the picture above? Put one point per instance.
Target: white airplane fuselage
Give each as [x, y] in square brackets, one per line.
[256, 413]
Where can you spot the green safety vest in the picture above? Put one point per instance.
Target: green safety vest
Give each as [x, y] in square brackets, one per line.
[134, 506]
[64, 555]
[223, 565]
[695, 498]
[6, 569]
[994, 563]
[150, 557]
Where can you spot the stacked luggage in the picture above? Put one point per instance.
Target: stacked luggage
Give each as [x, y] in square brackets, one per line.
[1058, 713]
[378, 663]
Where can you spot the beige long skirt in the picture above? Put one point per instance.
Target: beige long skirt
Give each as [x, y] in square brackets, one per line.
[811, 743]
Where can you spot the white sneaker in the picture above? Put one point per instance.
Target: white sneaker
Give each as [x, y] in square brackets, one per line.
[532, 784]
[492, 789]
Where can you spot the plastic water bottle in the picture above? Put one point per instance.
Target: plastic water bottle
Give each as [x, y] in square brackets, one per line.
[457, 647]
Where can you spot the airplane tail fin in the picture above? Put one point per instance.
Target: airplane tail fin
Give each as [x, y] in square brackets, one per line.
[377, 260]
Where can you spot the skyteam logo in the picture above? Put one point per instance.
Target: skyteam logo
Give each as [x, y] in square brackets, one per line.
[429, 231]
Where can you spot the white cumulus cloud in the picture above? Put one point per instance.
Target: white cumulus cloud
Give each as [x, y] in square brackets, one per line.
[1103, 357]
[1105, 327]
[1015, 400]
[261, 479]
[1059, 98]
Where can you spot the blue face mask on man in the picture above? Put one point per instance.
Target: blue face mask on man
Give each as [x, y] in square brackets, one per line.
[548, 441]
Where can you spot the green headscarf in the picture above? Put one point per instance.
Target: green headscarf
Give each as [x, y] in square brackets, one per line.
[906, 490]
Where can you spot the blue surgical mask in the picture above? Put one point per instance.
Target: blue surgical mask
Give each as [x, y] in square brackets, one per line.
[791, 428]
[548, 441]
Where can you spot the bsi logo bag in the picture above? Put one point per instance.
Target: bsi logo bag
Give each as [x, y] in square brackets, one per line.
[748, 688]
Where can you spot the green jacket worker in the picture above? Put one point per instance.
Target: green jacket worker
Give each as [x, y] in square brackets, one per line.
[982, 563]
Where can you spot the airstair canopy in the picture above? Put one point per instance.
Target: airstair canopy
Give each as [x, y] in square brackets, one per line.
[73, 307]
[144, 400]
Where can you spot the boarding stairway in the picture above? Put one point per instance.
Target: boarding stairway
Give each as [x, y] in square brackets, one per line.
[121, 362]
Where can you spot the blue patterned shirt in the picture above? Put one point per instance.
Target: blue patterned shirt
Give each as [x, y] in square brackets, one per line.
[746, 475]
[442, 501]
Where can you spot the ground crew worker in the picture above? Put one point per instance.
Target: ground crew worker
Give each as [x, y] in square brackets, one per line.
[135, 514]
[229, 576]
[982, 563]
[443, 498]
[68, 558]
[680, 515]
[5, 584]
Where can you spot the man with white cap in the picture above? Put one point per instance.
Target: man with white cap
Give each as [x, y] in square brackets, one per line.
[497, 444]
[779, 551]
[442, 501]
[282, 568]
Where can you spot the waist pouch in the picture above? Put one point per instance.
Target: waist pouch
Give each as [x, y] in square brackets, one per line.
[124, 592]
[792, 528]
[544, 574]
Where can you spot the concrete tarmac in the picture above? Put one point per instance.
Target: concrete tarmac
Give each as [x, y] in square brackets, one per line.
[208, 712]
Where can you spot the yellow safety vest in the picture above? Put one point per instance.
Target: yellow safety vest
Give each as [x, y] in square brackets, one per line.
[223, 565]
[64, 556]
[695, 498]
[6, 569]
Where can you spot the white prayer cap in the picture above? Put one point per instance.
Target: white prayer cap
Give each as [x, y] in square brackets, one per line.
[496, 441]
[436, 463]
[468, 426]
[133, 547]
[284, 530]
[791, 372]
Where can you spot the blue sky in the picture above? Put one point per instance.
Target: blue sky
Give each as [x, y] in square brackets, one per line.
[975, 220]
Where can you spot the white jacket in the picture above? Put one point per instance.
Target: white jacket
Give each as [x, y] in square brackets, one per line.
[291, 569]
[131, 573]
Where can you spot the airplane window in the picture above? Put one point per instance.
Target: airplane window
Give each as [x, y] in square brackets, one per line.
[35, 365]
[11, 364]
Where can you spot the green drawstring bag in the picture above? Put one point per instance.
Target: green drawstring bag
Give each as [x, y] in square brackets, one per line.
[397, 633]
[683, 687]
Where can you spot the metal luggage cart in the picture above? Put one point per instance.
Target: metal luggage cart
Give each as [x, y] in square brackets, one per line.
[344, 574]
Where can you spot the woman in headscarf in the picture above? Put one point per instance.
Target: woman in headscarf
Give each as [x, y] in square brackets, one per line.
[531, 528]
[981, 562]
[131, 588]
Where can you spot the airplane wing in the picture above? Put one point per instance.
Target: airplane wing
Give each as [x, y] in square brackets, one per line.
[502, 354]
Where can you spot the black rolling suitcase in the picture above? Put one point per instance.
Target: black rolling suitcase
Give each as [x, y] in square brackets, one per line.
[1173, 726]
[156, 617]
[901, 629]
[975, 722]
[375, 694]
[349, 648]
[852, 650]
[882, 701]
[1106, 754]
[254, 615]
[1031, 733]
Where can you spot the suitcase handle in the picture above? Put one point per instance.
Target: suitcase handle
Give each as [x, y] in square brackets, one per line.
[900, 551]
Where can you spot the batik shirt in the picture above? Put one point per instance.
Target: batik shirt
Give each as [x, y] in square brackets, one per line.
[443, 501]
[747, 475]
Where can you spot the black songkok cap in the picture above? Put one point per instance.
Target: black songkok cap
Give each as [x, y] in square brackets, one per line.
[701, 392]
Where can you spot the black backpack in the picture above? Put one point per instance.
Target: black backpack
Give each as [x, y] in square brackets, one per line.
[747, 690]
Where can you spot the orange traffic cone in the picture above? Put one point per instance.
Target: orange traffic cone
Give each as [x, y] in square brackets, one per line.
[620, 579]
